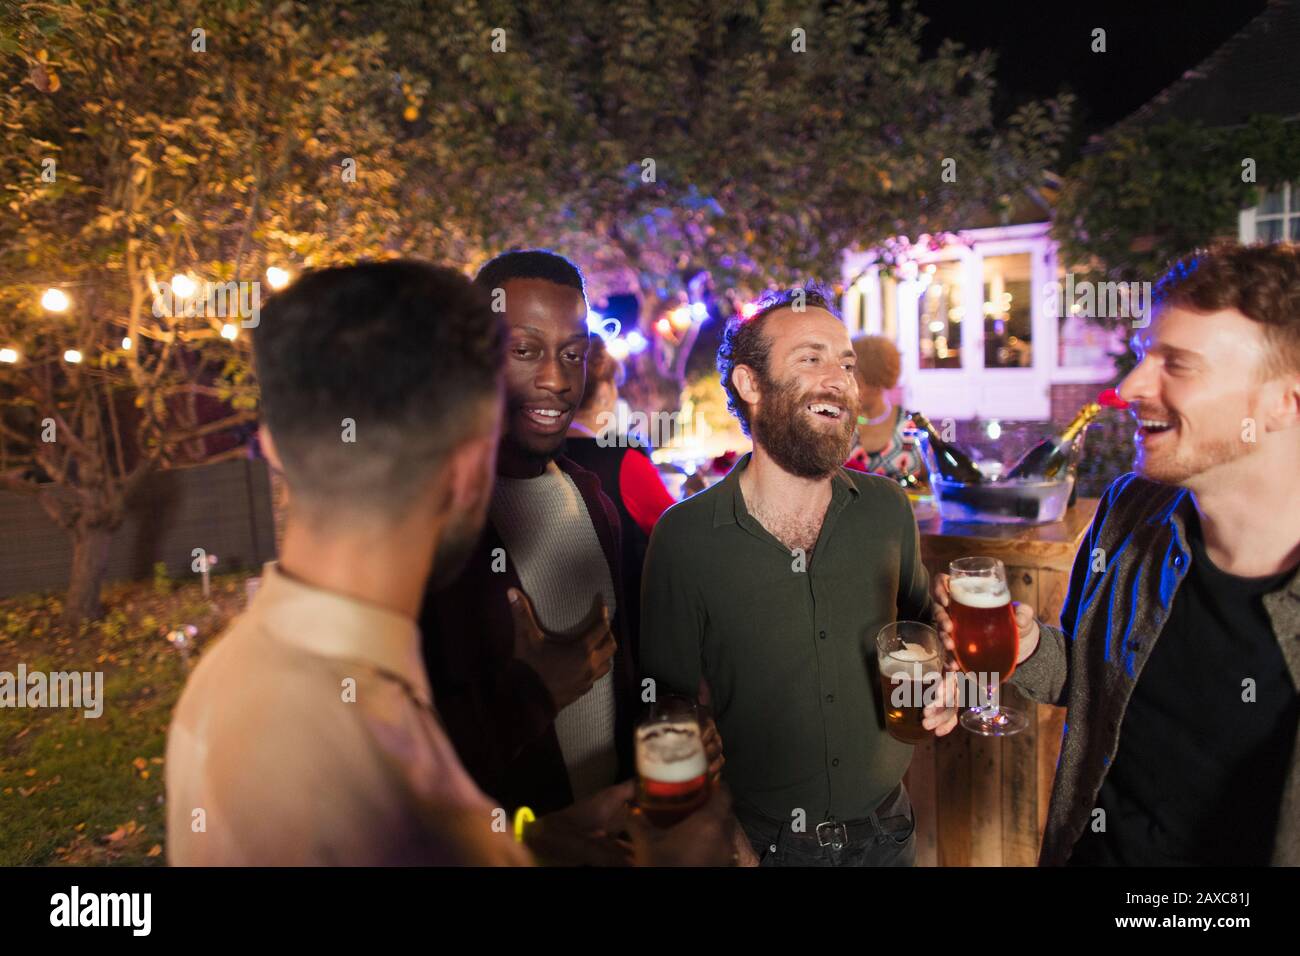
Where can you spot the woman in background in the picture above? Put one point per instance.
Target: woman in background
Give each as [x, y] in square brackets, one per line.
[626, 473]
[878, 445]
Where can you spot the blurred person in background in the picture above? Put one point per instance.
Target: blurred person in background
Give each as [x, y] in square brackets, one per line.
[878, 444]
[627, 476]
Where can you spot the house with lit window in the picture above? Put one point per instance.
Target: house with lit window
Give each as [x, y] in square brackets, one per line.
[980, 320]
[975, 314]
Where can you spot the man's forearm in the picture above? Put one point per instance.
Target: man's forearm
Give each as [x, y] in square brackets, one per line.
[1045, 674]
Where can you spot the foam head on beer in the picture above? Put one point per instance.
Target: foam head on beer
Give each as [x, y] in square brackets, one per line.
[672, 770]
[909, 662]
[670, 752]
[911, 654]
[980, 592]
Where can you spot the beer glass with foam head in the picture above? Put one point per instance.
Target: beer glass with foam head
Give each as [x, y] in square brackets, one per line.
[671, 766]
[910, 657]
[986, 640]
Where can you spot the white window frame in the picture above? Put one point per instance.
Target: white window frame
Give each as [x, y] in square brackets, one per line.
[1248, 220]
[984, 391]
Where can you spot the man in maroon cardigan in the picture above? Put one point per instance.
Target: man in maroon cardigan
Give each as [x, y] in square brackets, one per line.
[525, 649]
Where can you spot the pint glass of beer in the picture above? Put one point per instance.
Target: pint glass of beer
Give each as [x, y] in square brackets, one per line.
[986, 640]
[910, 656]
[672, 769]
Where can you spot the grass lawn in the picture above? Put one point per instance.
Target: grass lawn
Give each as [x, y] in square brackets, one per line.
[89, 791]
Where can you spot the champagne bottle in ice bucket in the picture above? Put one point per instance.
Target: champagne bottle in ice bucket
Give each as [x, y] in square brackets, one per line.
[1050, 457]
[954, 464]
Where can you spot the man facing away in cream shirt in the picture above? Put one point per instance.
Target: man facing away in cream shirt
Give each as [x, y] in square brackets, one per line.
[308, 735]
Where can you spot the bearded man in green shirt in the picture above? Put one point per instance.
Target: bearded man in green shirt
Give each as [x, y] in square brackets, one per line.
[771, 586]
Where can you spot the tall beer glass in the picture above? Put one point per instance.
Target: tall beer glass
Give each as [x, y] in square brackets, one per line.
[910, 656]
[986, 639]
[672, 769]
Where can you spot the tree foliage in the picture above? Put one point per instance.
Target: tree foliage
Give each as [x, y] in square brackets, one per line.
[1149, 194]
[648, 139]
[141, 141]
[780, 133]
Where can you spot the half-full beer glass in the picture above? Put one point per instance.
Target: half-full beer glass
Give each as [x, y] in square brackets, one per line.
[910, 656]
[672, 769]
[986, 640]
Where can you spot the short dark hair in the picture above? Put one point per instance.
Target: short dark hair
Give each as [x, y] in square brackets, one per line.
[411, 353]
[1261, 281]
[531, 264]
[743, 342]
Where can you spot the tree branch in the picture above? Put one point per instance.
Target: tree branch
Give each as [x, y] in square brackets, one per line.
[211, 428]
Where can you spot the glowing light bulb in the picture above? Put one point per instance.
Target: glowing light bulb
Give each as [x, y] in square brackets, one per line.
[55, 300]
[277, 278]
[183, 285]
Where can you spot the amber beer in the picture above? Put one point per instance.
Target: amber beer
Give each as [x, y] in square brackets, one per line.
[909, 656]
[905, 677]
[672, 771]
[985, 635]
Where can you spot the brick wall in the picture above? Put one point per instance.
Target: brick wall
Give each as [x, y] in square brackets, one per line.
[1068, 399]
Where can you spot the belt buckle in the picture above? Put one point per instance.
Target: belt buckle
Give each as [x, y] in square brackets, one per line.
[839, 837]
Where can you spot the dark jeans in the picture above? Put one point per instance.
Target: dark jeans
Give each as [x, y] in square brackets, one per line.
[891, 840]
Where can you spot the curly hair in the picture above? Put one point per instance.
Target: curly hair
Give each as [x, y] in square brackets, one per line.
[879, 364]
[744, 343]
[1262, 282]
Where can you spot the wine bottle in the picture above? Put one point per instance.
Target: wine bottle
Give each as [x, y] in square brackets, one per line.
[954, 464]
[1049, 457]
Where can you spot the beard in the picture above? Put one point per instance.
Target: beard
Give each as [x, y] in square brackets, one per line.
[798, 446]
[1179, 459]
[1180, 466]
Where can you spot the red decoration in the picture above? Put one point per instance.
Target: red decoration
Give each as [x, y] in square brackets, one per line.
[1110, 399]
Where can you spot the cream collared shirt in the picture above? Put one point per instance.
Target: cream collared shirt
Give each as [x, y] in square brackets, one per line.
[307, 735]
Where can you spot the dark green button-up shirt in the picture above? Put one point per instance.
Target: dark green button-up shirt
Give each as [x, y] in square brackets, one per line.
[788, 647]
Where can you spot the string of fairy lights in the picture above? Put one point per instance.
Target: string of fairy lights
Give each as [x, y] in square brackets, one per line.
[183, 287]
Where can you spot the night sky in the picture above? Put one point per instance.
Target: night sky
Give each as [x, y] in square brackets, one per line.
[1044, 47]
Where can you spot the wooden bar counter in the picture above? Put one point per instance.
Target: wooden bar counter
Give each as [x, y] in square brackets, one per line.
[982, 801]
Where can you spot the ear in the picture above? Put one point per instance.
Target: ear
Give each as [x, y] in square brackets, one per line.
[1284, 411]
[745, 381]
[268, 448]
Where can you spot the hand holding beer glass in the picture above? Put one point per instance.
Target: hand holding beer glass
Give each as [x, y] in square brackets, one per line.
[672, 768]
[910, 659]
[985, 638]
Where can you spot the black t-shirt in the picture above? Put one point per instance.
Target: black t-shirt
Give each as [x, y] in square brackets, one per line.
[1198, 776]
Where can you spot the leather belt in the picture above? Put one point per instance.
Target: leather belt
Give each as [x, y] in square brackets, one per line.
[835, 834]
